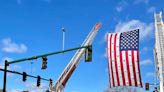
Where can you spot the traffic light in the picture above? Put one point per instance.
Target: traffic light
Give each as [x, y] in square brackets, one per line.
[147, 86]
[44, 62]
[38, 81]
[24, 76]
[50, 82]
[88, 54]
[50, 85]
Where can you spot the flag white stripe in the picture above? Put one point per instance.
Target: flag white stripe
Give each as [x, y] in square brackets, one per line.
[108, 49]
[113, 63]
[118, 59]
[137, 70]
[131, 67]
[125, 69]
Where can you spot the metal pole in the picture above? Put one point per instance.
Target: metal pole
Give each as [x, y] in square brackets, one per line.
[63, 31]
[15, 72]
[5, 76]
[48, 54]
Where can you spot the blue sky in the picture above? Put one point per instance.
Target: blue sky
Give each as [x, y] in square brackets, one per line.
[33, 27]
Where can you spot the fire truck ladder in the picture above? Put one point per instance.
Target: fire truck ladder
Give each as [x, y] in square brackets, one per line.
[66, 74]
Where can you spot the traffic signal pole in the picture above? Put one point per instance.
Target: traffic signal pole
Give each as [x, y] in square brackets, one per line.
[5, 78]
[48, 54]
[15, 72]
[31, 58]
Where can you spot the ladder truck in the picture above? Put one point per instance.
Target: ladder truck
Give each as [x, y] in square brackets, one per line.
[159, 49]
[72, 65]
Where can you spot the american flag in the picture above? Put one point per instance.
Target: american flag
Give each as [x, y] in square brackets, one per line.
[123, 59]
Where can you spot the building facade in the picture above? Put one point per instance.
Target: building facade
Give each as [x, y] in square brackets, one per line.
[159, 49]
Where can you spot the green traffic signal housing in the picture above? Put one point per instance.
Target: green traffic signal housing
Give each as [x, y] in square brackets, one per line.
[147, 86]
[88, 54]
[24, 76]
[44, 62]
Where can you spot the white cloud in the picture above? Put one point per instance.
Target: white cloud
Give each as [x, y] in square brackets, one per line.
[124, 89]
[13, 67]
[151, 9]
[7, 58]
[141, 1]
[14, 90]
[3, 60]
[150, 74]
[145, 29]
[121, 5]
[9, 68]
[31, 86]
[12, 47]
[145, 49]
[146, 62]
[103, 39]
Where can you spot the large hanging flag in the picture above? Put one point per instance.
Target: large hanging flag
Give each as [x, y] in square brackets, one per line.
[123, 59]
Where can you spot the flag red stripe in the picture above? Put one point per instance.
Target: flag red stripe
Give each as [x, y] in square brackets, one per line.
[108, 60]
[127, 66]
[115, 60]
[111, 59]
[122, 70]
[134, 70]
[139, 68]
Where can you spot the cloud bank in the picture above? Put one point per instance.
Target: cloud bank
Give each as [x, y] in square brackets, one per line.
[146, 62]
[12, 47]
[146, 29]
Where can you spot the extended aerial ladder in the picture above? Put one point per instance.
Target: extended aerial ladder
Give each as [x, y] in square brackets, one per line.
[159, 49]
[69, 69]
